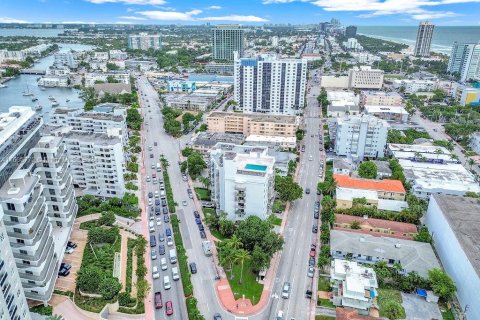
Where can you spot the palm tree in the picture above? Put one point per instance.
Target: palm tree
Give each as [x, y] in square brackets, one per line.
[438, 152]
[471, 162]
[234, 243]
[242, 256]
[164, 162]
[205, 181]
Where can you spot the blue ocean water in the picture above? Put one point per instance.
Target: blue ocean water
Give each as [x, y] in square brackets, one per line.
[443, 36]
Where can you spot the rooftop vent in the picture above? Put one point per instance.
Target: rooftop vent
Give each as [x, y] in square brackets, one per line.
[13, 190]
[398, 245]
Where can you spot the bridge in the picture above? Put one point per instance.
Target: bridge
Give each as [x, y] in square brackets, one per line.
[32, 71]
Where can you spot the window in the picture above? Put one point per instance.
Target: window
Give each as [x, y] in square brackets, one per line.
[17, 230]
[23, 252]
[44, 156]
[369, 258]
[28, 272]
[55, 207]
[14, 219]
[25, 262]
[11, 206]
[59, 224]
[48, 175]
[20, 241]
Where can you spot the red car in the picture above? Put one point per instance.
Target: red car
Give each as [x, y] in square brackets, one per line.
[313, 249]
[158, 300]
[169, 308]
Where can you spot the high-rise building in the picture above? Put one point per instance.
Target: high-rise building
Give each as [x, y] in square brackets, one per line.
[144, 41]
[465, 60]
[37, 202]
[227, 39]
[269, 85]
[350, 31]
[242, 180]
[424, 39]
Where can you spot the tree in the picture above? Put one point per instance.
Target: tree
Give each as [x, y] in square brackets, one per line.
[471, 162]
[242, 256]
[359, 202]
[442, 285]
[393, 310]
[423, 235]
[260, 259]
[205, 181]
[226, 227]
[288, 190]
[88, 278]
[134, 119]
[194, 164]
[234, 243]
[107, 218]
[254, 231]
[367, 170]
[109, 287]
[355, 225]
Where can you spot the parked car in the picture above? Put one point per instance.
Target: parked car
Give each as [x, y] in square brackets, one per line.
[311, 261]
[63, 272]
[217, 316]
[153, 254]
[308, 294]
[201, 227]
[313, 250]
[316, 214]
[310, 271]
[198, 221]
[193, 267]
[196, 214]
[71, 244]
[158, 300]
[69, 250]
[166, 218]
[203, 235]
[314, 228]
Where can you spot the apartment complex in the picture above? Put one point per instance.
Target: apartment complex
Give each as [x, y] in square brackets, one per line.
[65, 59]
[265, 84]
[424, 39]
[412, 86]
[342, 103]
[227, 39]
[36, 200]
[359, 137]
[242, 179]
[380, 98]
[364, 77]
[391, 113]
[253, 124]
[465, 60]
[144, 41]
[353, 285]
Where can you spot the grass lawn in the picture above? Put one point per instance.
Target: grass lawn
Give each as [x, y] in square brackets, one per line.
[385, 295]
[324, 318]
[249, 286]
[324, 284]
[207, 211]
[325, 303]
[275, 220]
[217, 234]
[203, 194]
[448, 315]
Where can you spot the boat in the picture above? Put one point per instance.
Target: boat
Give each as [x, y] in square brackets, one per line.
[3, 85]
[38, 108]
[68, 100]
[34, 99]
[55, 104]
[42, 88]
[27, 93]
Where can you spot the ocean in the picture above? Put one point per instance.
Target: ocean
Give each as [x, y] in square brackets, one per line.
[443, 36]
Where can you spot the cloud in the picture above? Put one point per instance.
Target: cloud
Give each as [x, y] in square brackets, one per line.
[430, 15]
[214, 8]
[11, 20]
[171, 15]
[131, 18]
[234, 18]
[139, 2]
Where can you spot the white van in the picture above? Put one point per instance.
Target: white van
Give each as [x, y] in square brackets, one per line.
[155, 272]
[166, 282]
[175, 275]
[151, 226]
[162, 193]
[163, 263]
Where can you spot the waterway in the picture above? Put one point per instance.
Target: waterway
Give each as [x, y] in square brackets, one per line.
[12, 95]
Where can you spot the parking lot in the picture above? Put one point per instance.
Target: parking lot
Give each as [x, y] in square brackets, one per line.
[417, 308]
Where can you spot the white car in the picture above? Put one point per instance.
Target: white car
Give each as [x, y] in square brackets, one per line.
[184, 203]
[159, 221]
[69, 250]
[169, 241]
[163, 264]
[155, 273]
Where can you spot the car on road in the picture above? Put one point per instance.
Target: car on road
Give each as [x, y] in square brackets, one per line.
[184, 177]
[150, 202]
[164, 202]
[307, 190]
[316, 214]
[156, 194]
[310, 158]
[150, 194]
[150, 148]
[193, 267]
[198, 221]
[165, 210]
[175, 274]
[169, 308]
[207, 204]
[168, 232]
[196, 214]
[203, 235]
[310, 271]
[166, 218]
[153, 166]
[163, 264]
[157, 202]
[155, 273]
[280, 315]
[217, 316]
[311, 261]
[155, 144]
[169, 241]
[151, 155]
[161, 237]
[184, 203]
[313, 250]
[148, 178]
[158, 300]
[314, 228]
[190, 195]
[161, 249]
[286, 290]
[159, 221]
[157, 210]
[153, 254]
[166, 282]
[303, 148]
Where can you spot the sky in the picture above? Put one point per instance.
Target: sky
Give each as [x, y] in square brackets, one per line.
[357, 12]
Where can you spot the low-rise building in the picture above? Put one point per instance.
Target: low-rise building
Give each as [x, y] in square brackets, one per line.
[92, 78]
[342, 103]
[276, 142]
[453, 222]
[375, 227]
[53, 81]
[242, 179]
[181, 86]
[253, 124]
[383, 169]
[391, 113]
[342, 166]
[380, 98]
[475, 142]
[353, 285]
[189, 102]
[365, 77]
[364, 248]
[117, 55]
[111, 88]
[465, 95]
[100, 55]
[413, 86]
[203, 142]
[426, 153]
[219, 68]
[65, 59]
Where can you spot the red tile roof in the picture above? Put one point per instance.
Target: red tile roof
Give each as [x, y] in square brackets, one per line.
[366, 184]
[351, 314]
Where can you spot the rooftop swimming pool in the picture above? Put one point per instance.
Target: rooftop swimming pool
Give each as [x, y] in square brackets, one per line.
[256, 167]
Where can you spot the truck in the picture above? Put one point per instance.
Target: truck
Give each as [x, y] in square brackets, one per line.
[173, 256]
[207, 248]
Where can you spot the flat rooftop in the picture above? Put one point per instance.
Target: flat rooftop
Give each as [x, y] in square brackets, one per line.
[463, 215]
[13, 120]
[380, 93]
[385, 109]
[97, 138]
[212, 138]
[256, 117]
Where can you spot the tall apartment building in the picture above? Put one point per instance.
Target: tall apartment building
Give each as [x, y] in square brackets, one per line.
[253, 124]
[266, 84]
[36, 200]
[242, 179]
[350, 31]
[360, 137]
[144, 41]
[424, 39]
[364, 77]
[465, 60]
[380, 98]
[227, 39]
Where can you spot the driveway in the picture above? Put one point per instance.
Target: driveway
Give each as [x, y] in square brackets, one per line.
[417, 308]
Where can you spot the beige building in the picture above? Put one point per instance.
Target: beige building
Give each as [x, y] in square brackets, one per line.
[253, 124]
[365, 77]
[380, 98]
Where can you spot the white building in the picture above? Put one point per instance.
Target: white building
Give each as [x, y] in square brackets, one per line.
[342, 103]
[475, 142]
[364, 77]
[413, 86]
[274, 41]
[100, 55]
[465, 60]
[393, 113]
[353, 44]
[354, 286]
[453, 222]
[420, 152]
[360, 137]
[242, 179]
[144, 41]
[54, 81]
[91, 78]
[117, 55]
[380, 98]
[429, 178]
[424, 39]
[269, 85]
[65, 59]
[96, 65]
[280, 142]
[58, 71]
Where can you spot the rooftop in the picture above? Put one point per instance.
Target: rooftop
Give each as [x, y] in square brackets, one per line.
[398, 227]
[413, 255]
[256, 117]
[383, 166]
[112, 88]
[274, 139]
[356, 119]
[13, 120]
[350, 314]
[463, 216]
[378, 185]
[385, 109]
[380, 93]
[97, 138]
[209, 139]
[19, 184]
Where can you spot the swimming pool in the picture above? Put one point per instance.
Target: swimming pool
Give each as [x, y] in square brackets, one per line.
[256, 167]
